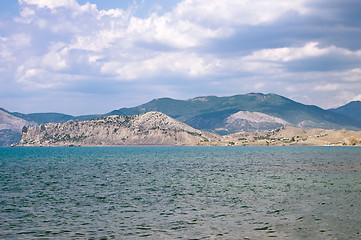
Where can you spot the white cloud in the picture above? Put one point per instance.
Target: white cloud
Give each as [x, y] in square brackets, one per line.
[291, 89]
[287, 54]
[21, 40]
[51, 4]
[27, 12]
[59, 43]
[353, 75]
[342, 97]
[308, 59]
[30, 8]
[5, 54]
[259, 85]
[106, 40]
[193, 22]
[186, 64]
[328, 87]
[171, 31]
[115, 13]
[237, 12]
[190, 24]
[39, 78]
[97, 41]
[55, 60]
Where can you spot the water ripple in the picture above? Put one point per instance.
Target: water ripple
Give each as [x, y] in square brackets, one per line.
[180, 192]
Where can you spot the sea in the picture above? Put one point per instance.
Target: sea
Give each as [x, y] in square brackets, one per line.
[180, 193]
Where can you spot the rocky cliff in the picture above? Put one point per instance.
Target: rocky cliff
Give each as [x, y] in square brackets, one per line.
[152, 128]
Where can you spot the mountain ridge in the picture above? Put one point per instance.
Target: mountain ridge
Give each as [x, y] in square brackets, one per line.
[223, 115]
[210, 112]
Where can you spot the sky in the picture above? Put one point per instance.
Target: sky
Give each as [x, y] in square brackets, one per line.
[93, 56]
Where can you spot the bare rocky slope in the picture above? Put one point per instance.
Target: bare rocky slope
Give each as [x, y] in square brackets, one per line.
[13, 123]
[253, 121]
[10, 128]
[151, 128]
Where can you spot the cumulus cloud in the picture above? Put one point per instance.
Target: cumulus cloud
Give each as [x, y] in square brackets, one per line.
[287, 54]
[170, 31]
[328, 87]
[197, 47]
[50, 4]
[308, 58]
[310, 50]
[230, 12]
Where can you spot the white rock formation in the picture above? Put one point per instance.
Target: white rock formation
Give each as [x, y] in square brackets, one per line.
[254, 121]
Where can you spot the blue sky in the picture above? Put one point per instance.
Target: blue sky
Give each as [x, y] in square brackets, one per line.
[83, 57]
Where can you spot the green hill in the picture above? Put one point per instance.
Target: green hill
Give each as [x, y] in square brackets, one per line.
[43, 118]
[211, 113]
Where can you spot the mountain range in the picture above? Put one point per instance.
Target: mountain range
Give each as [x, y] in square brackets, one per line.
[222, 115]
[246, 112]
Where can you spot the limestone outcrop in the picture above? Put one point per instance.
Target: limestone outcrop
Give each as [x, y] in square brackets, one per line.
[152, 128]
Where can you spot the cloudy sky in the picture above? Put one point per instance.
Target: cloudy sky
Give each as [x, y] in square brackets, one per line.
[93, 56]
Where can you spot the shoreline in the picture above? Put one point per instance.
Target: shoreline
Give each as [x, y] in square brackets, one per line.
[284, 136]
[251, 145]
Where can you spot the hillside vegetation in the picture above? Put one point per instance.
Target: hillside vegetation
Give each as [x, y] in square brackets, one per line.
[212, 113]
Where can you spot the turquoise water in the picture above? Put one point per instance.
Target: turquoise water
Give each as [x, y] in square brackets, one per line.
[180, 192]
